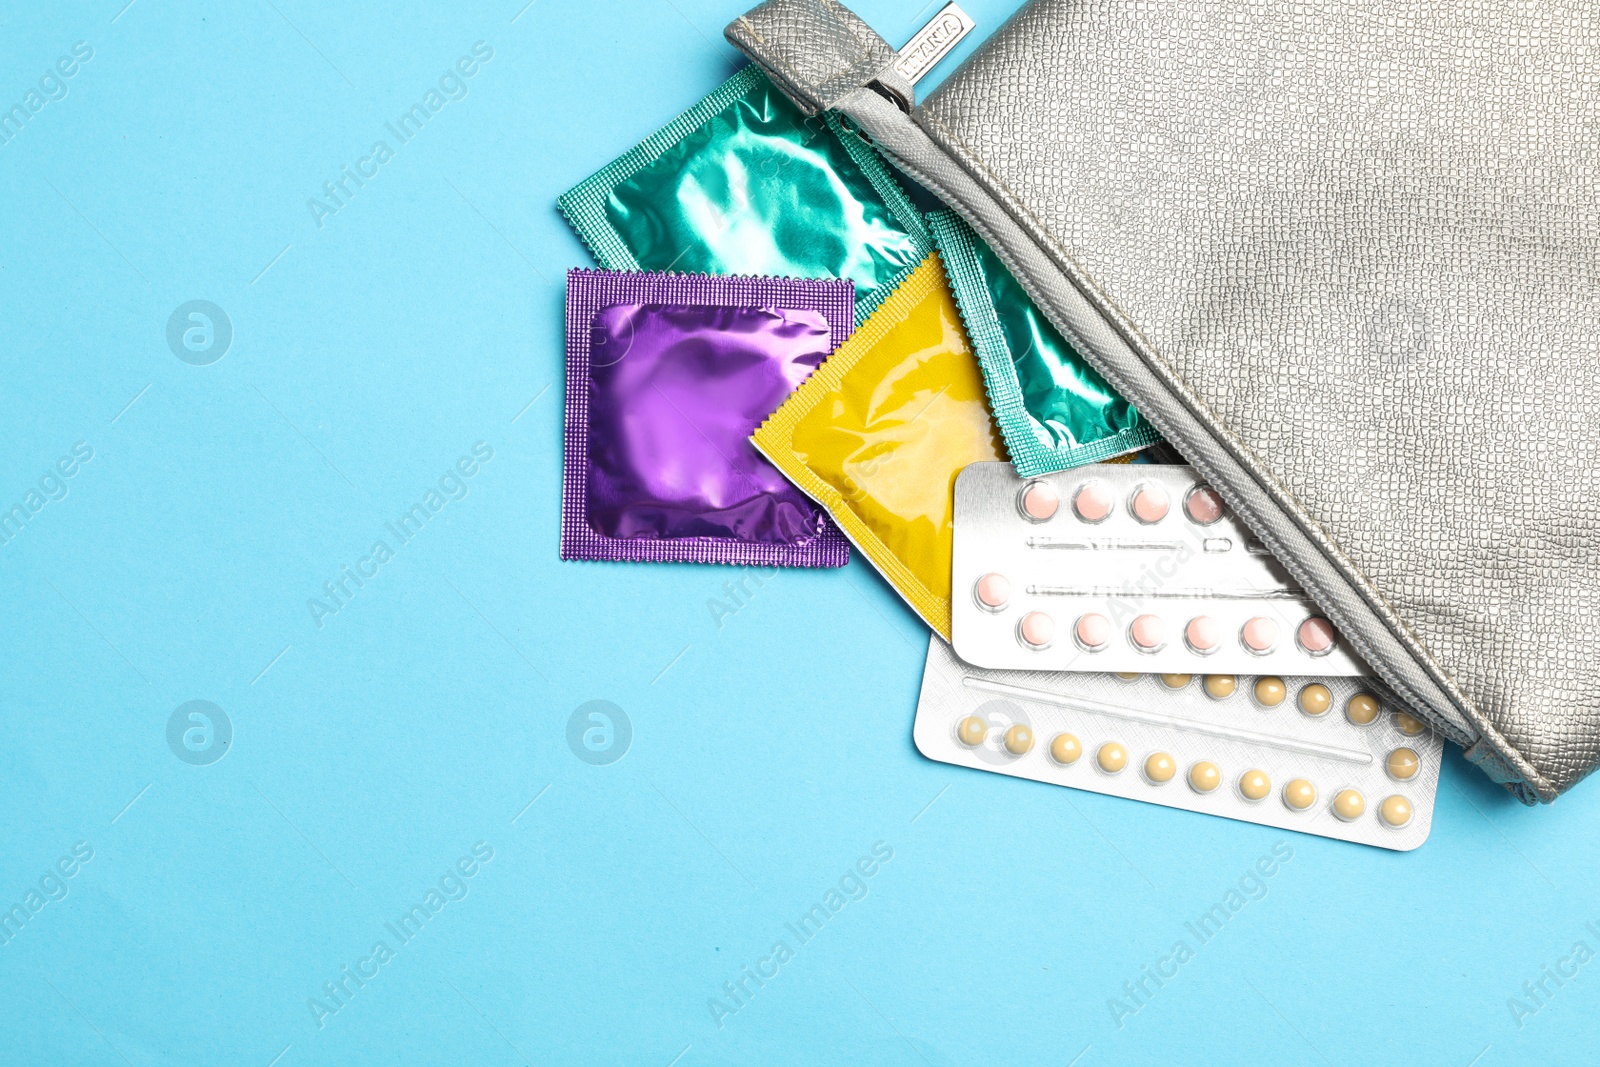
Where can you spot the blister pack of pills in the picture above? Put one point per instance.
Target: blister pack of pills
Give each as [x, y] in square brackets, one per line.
[1320, 755]
[1119, 567]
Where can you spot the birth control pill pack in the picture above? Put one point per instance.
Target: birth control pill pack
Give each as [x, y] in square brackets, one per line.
[1124, 567]
[1322, 755]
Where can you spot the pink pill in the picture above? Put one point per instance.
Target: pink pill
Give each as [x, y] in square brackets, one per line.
[1148, 633]
[1203, 505]
[1203, 634]
[1149, 503]
[993, 591]
[1092, 501]
[1093, 632]
[1037, 629]
[1316, 636]
[1040, 501]
[1259, 635]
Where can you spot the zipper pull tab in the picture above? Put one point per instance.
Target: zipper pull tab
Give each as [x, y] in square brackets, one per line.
[818, 52]
[933, 42]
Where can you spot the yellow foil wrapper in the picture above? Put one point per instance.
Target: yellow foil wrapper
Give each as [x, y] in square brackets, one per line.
[879, 432]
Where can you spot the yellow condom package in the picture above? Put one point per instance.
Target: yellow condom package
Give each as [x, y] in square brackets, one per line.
[879, 432]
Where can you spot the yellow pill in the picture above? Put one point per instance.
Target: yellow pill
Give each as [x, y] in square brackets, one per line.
[1349, 805]
[1403, 764]
[1127, 676]
[1299, 794]
[1362, 709]
[1315, 699]
[1221, 686]
[1175, 681]
[1019, 739]
[1270, 692]
[1204, 776]
[1112, 757]
[1253, 785]
[1160, 767]
[1409, 725]
[1065, 749]
[972, 731]
[1395, 811]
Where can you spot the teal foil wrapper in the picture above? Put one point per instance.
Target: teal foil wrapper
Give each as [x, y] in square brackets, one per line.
[743, 183]
[1054, 410]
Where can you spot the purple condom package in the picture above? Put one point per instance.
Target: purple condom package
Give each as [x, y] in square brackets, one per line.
[668, 375]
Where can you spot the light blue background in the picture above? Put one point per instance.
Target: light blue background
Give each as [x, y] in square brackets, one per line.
[369, 754]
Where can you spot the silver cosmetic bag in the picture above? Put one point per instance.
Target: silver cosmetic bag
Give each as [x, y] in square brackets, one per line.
[1347, 258]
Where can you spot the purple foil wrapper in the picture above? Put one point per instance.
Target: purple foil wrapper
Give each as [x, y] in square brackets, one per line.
[667, 377]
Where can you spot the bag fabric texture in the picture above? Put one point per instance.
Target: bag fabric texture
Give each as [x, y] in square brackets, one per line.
[1346, 258]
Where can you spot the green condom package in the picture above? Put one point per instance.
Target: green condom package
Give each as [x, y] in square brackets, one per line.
[744, 183]
[1054, 410]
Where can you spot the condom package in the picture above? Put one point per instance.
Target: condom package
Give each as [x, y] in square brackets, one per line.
[744, 183]
[667, 375]
[1054, 410]
[878, 435]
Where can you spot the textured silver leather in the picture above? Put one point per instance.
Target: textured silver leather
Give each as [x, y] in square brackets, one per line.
[1346, 257]
[817, 51]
